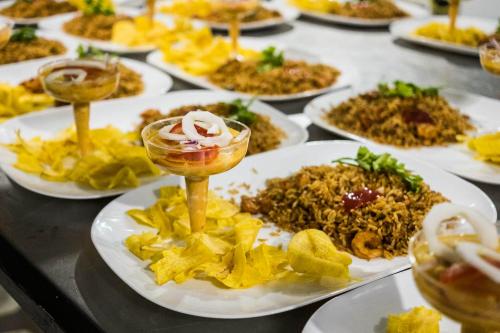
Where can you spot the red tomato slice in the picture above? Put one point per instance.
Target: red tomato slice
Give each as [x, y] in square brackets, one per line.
[206, 154]
[456, 272]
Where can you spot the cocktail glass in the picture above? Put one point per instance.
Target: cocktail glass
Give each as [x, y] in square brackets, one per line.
[473, 299]
[194, 163]
[489, 54]
[6, 27]
[80, 82]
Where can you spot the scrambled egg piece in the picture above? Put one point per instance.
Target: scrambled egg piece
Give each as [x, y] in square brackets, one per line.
[225, 252]
[16, 100]
[188, 8]
[114, 162]
[417, 320]
[324, 6]
[199, 52]
[469, 36]
[487, 147]
[139, 32]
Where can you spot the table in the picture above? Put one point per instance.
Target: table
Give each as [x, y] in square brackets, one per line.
[47, 260]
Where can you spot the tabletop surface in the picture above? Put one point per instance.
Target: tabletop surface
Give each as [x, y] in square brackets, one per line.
[46, 251]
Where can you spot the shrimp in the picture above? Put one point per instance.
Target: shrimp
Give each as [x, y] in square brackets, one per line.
[367, 245]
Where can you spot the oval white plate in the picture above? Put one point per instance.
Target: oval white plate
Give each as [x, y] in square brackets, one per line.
[124, 114]
[155, 82]
[348, 76]
[56, 24]
[201, 298]
[366, 309]
[455, 158]
[70, 45]
[24, 21]
[404, 29]
[413, 10]
[288, 14]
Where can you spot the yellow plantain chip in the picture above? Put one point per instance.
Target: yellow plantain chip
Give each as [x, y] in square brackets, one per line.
[418, 320]
[16, 100]
[486, 147]
[138, 244]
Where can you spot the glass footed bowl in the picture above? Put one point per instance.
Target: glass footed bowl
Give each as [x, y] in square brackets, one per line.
[192, 161]
[473, 300]
[489, 55]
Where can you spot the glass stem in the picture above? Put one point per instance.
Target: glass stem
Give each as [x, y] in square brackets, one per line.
[197, 193]
[452, 14]
[81, 112]
[234, 33]
[151, 10]
[474, 329]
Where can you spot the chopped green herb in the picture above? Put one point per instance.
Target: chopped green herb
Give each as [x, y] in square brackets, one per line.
[96, 7]
[369, 161]
[406, 89]
[270, 58]
[240, 111]
[498, 27]
[24, 34]
[91, 52]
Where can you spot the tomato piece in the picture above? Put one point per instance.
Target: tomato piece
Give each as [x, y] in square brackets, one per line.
[456, 272]
[206, 154]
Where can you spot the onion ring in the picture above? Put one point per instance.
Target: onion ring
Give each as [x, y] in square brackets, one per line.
[221, 140]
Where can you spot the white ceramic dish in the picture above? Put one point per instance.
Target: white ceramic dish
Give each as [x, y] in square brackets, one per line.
[56, 24]
[456, 158]
[288, 14]
[366, 309]
[201, 298]
[24, 21]
[70, 45]
[405, 29]
[348, 76]
[121, 113]
[155, 82]
[413, 10]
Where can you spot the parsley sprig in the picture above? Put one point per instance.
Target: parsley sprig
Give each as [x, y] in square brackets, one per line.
[97, 7]
[406, 89]
[92, 52]
[270, 58]
[370, 161]
[240, 111]
[24, 34]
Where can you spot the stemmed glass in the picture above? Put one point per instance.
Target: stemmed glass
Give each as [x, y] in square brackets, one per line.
[6, 27]
[474, 300]
[151, 6]
[196, 164]
[452, 13]
[238, 9]
[489, 54]
[80, 82]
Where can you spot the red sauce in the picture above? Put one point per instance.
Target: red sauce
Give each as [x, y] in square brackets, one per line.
[356, 199]
[417, 116]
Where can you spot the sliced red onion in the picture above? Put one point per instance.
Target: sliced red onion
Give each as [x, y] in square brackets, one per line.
[222, 139]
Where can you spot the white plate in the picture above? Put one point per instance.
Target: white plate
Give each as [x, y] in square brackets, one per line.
[412, 9]
[70, 45]
[366, 309]
[348, 76]
[288, 14]
[56, 24]
[124, 114]
[456, 158]
[24, 21]
[201, 298]
[155, 81]
[405, 29]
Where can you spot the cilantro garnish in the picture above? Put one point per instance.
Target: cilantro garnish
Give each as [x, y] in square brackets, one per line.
[270, 58]
[369, 161]
[406, 89]
[96, 7]
[24, 34]
[90, 52]
[240, 111]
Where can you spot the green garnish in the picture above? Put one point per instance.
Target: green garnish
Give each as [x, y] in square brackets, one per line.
[97, 7]
[270, 59]
[369, 161]
[24, 34]
[406, 89]
[498, 27]
[240, 111]
[91, 52]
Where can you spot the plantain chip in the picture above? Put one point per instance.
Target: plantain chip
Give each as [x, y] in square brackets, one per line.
[16, 100]
[418, 320]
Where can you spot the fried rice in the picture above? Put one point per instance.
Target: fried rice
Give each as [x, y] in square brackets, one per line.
[373, 9]
[16, 51]
[313, 198]
[259, 14]
[265, 136]
[37, 8]
[291, 78]
[98, 26]
[404, 122]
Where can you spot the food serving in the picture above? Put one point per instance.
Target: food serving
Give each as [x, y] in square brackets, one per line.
[486, 147]
[37, 8]
[369, 205]
[365, 9]
[457, 271]
[265, 136]
[489, 55]
[5, 31]
[272, 74]
[206, 10]
[401, 114]
[468, 36]
[24, 44]
[17, 100]
[418, 319]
